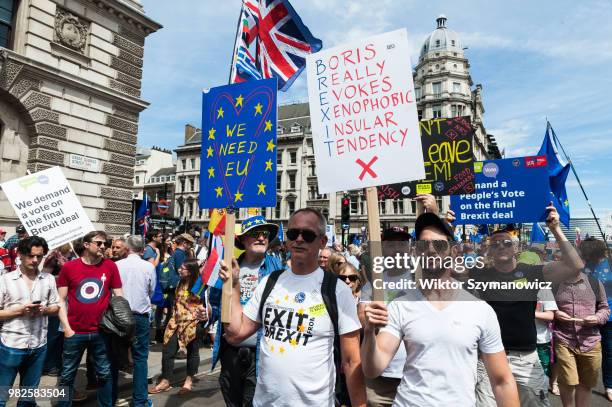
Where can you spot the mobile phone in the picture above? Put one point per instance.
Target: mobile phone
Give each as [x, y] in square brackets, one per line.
[36, 302]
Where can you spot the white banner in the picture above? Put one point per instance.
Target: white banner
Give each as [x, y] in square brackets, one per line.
[47, 207]
[363, 112]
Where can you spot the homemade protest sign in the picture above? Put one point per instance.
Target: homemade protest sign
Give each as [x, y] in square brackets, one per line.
[47, 206]
[449, 161]
[363, 114]
[238, 161]
[512, 190]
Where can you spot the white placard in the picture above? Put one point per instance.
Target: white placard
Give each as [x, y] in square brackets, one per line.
[47, 207]
[363, 112]
[331, 235]
[81, 162]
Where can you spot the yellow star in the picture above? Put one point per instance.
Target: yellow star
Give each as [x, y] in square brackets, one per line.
[293, 342]
[211, 133]
[268, 125]
[277, 302]
[301, 328]
[286, 297]
[262, 188]
[211, 173]
[209, 152]
[239, 101]
[271, 348]
[219, 191]
[238, 196]
[220, 112]
[258, 108]
[270, 146]
[300, 311]
[268, 165]
[281, 350]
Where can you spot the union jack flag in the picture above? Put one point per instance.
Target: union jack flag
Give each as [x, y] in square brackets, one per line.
[282, 42]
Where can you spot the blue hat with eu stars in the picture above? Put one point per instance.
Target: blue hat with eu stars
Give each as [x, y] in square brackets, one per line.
[256, 222]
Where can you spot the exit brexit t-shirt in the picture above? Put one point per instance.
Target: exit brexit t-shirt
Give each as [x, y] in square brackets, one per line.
[89, 289]
[296, 363]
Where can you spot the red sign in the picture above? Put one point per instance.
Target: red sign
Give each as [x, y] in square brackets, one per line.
[162, 206]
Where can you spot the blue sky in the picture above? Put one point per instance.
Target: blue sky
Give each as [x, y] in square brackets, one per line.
[535, 60]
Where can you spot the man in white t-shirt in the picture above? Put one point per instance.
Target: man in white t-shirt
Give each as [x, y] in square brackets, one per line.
[442, 331]
[296, 356]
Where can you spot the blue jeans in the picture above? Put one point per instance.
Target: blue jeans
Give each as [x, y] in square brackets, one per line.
[27, 362]
[55, 341]
[74, 347]
[140, 355]
[606, 354]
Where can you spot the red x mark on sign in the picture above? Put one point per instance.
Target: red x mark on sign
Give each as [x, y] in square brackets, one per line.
[367, 168]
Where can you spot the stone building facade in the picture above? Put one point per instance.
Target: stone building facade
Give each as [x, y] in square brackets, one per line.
[70, 84]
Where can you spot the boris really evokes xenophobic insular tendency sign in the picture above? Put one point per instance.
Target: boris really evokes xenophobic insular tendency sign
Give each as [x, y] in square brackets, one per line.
[363, 110]
[449, 159]
[46, 205]
[512, 190]
[238, 162]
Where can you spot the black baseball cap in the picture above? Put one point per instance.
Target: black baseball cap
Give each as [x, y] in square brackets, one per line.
[395, 233]
[20, 229]
[431, 219]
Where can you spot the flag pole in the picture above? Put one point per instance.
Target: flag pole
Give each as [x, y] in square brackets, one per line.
[569, 160]
[229, 81]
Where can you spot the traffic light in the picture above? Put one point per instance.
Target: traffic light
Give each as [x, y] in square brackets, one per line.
[346, 210]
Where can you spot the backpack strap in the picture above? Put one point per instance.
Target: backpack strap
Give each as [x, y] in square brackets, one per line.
[328, 292]
[270, 283]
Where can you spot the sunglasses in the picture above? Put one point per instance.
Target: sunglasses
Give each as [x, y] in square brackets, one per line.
[98, 242]
[438, 245]
[352, 278]
[308, 235]
[255, 234]
[501, 243]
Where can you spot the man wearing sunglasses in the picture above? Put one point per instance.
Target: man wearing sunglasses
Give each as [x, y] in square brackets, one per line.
[87, 283]
[297, 352]
[442, 331]
[515, 307]
[238, 361]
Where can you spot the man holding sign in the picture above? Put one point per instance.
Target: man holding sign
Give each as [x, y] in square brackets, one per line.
[303, 311]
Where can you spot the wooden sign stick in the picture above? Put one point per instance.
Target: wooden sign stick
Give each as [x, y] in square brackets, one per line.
[228, 254]
[374, 233]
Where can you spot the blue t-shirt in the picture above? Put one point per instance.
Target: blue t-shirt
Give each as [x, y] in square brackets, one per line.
[603, 273]
[149, 253]
[179, 258]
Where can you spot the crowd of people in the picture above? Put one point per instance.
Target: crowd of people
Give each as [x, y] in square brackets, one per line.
[308, 324]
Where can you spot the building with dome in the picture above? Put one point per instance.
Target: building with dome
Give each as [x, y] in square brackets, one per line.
[444, 88]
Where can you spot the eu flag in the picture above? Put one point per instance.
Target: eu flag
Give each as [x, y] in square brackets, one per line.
[238, 162]
[537, 234]
[558, 170]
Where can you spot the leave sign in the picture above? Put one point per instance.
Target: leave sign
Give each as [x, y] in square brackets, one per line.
[46, 205]
[512, 190]
[363, 111]
[238, 162]
[449, 161]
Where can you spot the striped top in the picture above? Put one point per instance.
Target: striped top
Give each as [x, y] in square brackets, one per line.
[26, 332]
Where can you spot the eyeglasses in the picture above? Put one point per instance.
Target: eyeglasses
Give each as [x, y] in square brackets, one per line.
[98, 242]
[501, 243]
[308, 235]
[255, 234]
[439, 246]
[352, 278]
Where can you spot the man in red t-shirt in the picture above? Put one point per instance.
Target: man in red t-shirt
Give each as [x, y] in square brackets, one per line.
[87, 283]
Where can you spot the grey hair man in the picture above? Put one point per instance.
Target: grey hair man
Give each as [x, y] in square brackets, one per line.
[138, 277]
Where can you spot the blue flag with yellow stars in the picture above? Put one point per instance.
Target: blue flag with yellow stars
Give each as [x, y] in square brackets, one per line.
[238, 165]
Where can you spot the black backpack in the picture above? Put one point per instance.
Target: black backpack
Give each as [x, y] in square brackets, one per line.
[328, 292]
